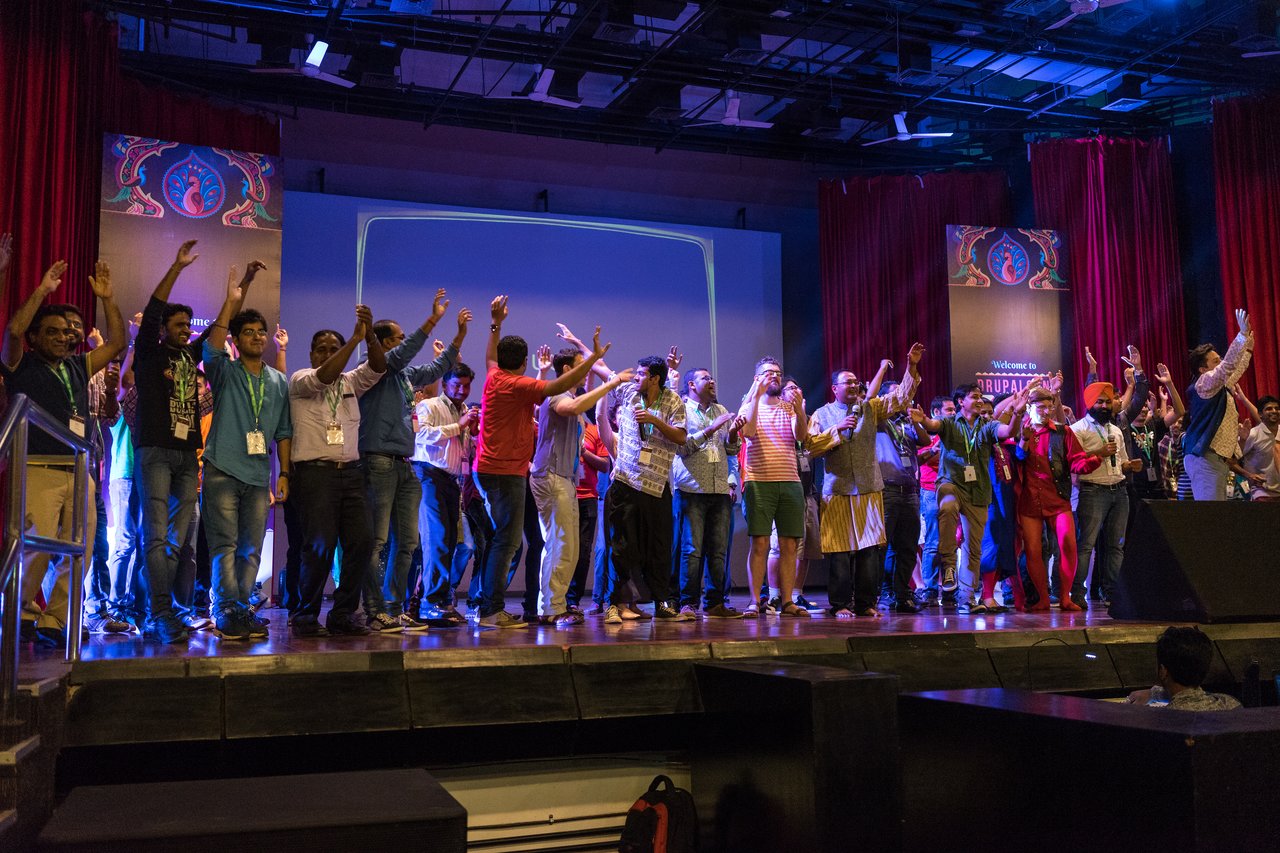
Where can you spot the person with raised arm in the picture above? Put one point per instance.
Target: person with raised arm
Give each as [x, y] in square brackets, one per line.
[250, 414]
[964, 486]
[852, 521]
[57, 381]
[328, 485]
[1211, 434]
[504, 449]
[386, 446]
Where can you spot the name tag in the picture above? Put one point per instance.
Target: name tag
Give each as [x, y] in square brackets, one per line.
[645, 457]
[970, 474]
[76, 425]
[333, 434]
[1151, 474]
[180, 429]
[713, 451]
[804, 464]
[255, 443]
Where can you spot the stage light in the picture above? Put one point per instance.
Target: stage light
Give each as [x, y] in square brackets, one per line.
[1090, 656]
[318, 50]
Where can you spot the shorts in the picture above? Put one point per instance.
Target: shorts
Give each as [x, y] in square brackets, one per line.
[770, 503]
[811, 547]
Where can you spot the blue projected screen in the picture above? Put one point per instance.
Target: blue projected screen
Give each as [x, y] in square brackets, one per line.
[715, 292]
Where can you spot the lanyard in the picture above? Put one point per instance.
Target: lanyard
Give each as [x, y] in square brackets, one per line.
[406, 389]
[183, 373]
[970, 438]
[255, 402]
[899, 436]
[333, 396]
[61, 372]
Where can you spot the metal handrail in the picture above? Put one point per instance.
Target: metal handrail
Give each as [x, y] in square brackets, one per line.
[21, 414]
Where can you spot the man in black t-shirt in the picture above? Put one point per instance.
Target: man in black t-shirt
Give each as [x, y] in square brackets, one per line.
[165, 444]
[57, 382]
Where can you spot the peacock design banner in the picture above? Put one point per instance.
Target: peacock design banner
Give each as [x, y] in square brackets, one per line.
[1010, 302]
[157, 193]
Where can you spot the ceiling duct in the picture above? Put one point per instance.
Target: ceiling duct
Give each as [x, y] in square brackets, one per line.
[663, 102]
[1126, 96]
[1259, 27]
[1031, 8]
[374, 66]
[619, 24]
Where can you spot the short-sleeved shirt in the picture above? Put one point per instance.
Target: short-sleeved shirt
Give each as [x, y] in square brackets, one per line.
[314, 405]
[1258, 456]
[506, 440]
[233, 418]
[121, 451]
[590, 479]
[769, 456]
[559, 442]
[965, 445]
[62, 390]
[166, 382]
[644, 454]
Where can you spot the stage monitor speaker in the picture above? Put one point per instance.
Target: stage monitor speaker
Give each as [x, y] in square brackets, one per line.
[1196, 561]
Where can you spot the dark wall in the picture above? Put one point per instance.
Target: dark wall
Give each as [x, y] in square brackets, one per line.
[1194, 194]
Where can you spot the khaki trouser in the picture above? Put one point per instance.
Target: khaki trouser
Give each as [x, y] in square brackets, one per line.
[50, 496]
[953, 509]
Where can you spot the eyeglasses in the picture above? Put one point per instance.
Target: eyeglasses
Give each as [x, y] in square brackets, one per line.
[255, 333]
[769, 373]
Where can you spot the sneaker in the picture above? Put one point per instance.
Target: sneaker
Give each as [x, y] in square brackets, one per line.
[613, 616]
[167, 630]
[346, 626]
[410, 624]
[308, 628]
[106, 625]
[926, 598]
[413, 606]
[949, 582]
[50, 638]
[568, 619]
[596, 609]
[722, 611]
[665, 611]
[384, 623]
[231, 626]
[257, 628]
[964, 608]
[196, 621]
[906, 606]
[258, 598]
[807, 604]
[502, 619]
[772, 606]
[687, 614]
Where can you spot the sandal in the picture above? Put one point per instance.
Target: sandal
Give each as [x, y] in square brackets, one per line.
[794, 610]
[751, 611]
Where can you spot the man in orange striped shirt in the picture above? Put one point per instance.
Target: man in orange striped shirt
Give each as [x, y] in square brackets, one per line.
[774, 424]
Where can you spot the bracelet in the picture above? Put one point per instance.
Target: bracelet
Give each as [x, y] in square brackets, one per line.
[284, 474]
[495, 327]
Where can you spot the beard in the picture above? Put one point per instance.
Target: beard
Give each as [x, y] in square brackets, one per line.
[1101, 414]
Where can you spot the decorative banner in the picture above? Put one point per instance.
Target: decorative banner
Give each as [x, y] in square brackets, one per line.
[1010, 306]
[158, 194]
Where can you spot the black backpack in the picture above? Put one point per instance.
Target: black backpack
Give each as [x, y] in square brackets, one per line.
[663, 820]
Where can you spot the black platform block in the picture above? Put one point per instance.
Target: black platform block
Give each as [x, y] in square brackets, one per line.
[384, 809]
[796, 757]
[637, 681]
[1078, 774]
[315, 703]
[1056, 668]
[110, 711]
[936, 669]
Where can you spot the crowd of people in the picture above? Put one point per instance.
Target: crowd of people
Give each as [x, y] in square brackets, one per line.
[392, 484]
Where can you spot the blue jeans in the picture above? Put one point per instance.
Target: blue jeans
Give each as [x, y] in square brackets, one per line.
[998, 539]
[97, 588]
[394, 495]
[168, 480]
[504, 503]
[126, 557]
[929, 558]
[235, 522]
[1102, 513]
[600, 587]
[438, 519]
[704, 527]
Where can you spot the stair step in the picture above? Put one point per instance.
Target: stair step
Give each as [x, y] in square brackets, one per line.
[14, 755]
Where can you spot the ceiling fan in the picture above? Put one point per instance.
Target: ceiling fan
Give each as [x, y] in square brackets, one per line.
[904, 135]
[310, 67]
[1084, 7]
[733, 115]
[538, 90]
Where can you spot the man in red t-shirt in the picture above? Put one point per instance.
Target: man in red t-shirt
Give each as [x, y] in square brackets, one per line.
[504, 448]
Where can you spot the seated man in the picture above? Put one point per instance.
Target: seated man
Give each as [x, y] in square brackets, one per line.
[1183, 656]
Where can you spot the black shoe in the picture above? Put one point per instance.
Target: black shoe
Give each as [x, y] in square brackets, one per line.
[309, 628]
[51, 638]
[905, 606]
[166, 631]
[346, 626]
[807, 604]
[663, 610]
[772, 607]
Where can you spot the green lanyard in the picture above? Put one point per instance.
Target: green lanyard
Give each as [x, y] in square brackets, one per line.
[898, 436]
[182, 376]
[334, 398]
[61, 372]
[970, 438]
[255, 402]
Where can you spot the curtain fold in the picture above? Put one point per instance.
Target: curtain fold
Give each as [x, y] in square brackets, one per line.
[883, 249]
[1113, 201]
[1246, 156]
[61, 89]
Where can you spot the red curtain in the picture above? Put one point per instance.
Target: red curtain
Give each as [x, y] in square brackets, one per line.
[1246, 154]
[1113, 200]
[883, 248]
[60, 90]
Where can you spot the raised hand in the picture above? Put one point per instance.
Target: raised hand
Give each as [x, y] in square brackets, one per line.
[542, 358]
[100, 281]
[738, 423]
[234, 291]
[135, 323]
[439, 305]
[674, 358]
[282, 338]
[1128, 375]
[52, 277]
[917, 415]
[1242, 320]
[1090, 360]
[94, 338]
[364, 321]
[252, 270]
[6, 251]
[759, 386]
[1162, 374]
[498, 309]
[185, 258]
[570, 338]
[1134, 359]
[437, 348]
[886, 364]
[625, 376]
[794, 396]
[1054, 382]
[915, 354]
[596, 349]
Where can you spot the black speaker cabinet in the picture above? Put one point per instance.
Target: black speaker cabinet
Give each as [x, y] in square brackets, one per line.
[1200, 562]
